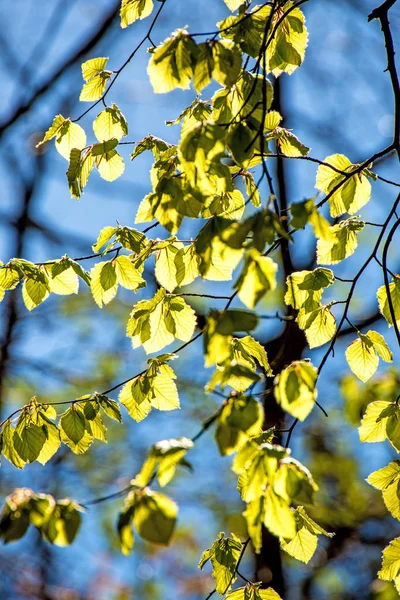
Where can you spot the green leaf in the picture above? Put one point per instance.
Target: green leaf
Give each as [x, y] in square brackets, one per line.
[154, 388]
[305, 288]
[388, 481]
[131, 239]
[295, 389]
[127, 275]
[14, 517]
[204, 66]
[69, 135]
[233, 4]
[35, 289]
[53, 130]
[110, 123]
[343, 243]
[155, 517]
[171, 63]
[391, 563]
[224, 555]
[63, 280]
[252, 190]
[10, 276]
[306, 212]
[319, 325]
[93, 67]
[150, 142]
[239, 419]
[73, 424]
[186, 265]
[380, 422]
[253, 592]
[52, 443]
[354, 192]
[105, 236]
[8, 449]
[96, 79]
[166, 270]
[124, 525]
[104, 147]
[279, 518]
[103, 283]
[394, 290]
[64, 523]
[256, 278]
[163, 458]
[110, 407]
[110, 165]
[227, 62]
[75, 430]
[363, 354]
[286, 51]
[157, 322]
[132, 10]
[289, 144]
[303, 545]
[248, 349]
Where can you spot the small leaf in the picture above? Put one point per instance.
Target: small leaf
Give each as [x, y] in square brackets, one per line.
[131, 10]
[155, 517]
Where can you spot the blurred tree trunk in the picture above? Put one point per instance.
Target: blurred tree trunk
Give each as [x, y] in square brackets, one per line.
[283, 350]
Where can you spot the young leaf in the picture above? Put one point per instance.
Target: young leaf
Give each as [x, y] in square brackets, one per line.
[132, 10]
[295, 389]
[35, 289]
[69, 135]
[342, 244]
[154, 388]
[319, 326]
[256, 278]
[110, 165]
[363, 354]
[354, 192]
[305, 288]
[64, 523]
[157, 322]
[381, 422]
[127, 275]
[163, 458]
[155, 517]
[391, 563]
[109, 124]
[171, 63]
[394, 290]
[104, 283]
[53, 130]
[387, 480]
[224, 555]
[240, 419]
[75, 430]
[303, 545]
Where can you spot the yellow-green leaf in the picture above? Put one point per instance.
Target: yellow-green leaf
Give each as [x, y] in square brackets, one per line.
[354, 192]
[132, 10]
[171, 63]
[394, 290]
[69, 135]
[295, 389]
[104, 283]
[110, 165]
[256, 278]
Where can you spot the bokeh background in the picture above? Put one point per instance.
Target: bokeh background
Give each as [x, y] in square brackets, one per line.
[340, 100]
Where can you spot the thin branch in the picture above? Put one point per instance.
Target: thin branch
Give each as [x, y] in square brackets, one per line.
[127, 61]
[386, 278]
